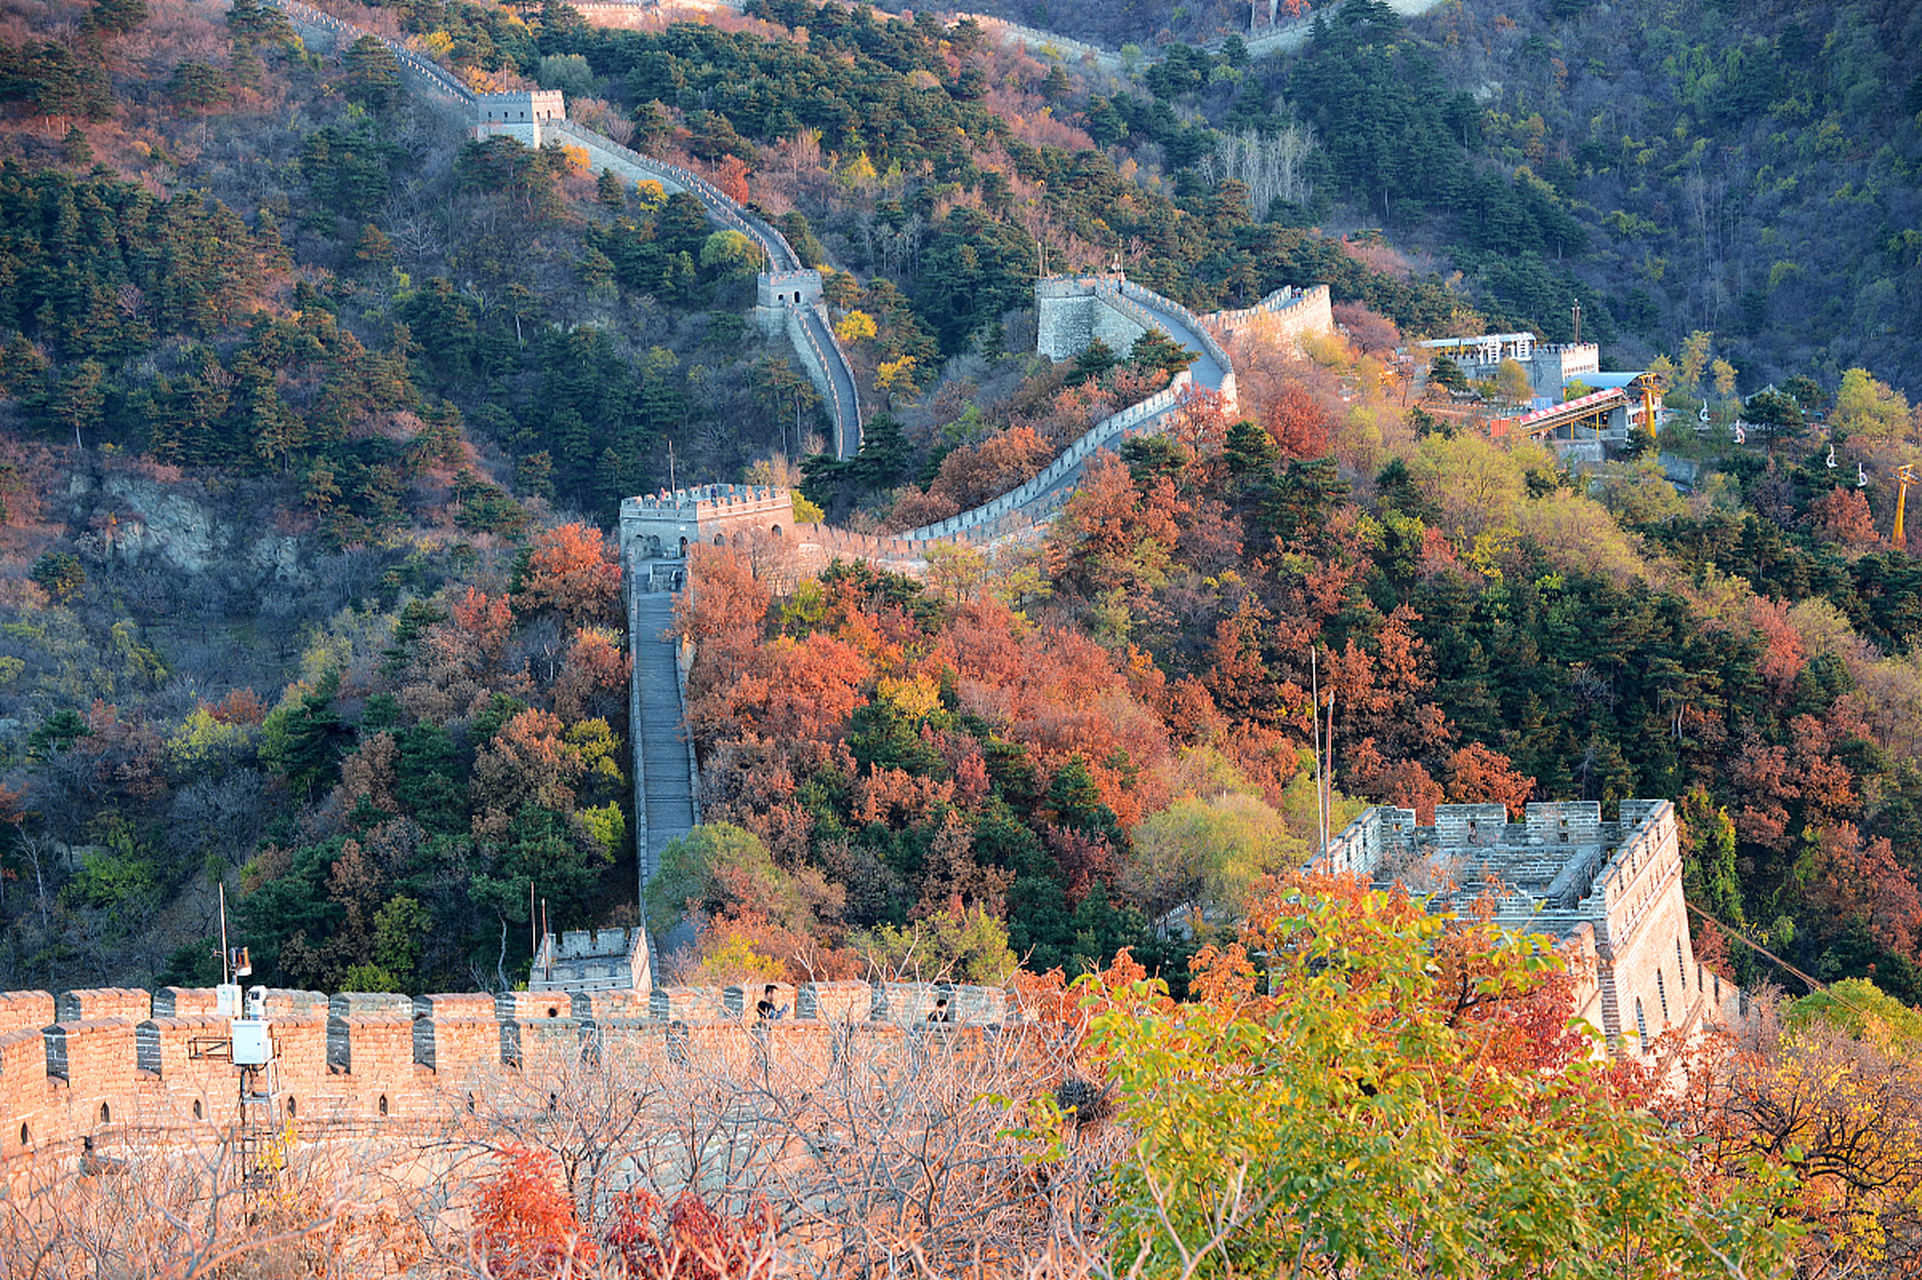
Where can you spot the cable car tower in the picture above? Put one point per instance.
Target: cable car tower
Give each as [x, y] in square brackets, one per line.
[249, 1046]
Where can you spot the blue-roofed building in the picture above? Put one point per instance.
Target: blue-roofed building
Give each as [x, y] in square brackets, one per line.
[1602, 381]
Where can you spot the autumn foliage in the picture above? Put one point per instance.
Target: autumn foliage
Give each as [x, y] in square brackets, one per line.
[526, 1228]
[1357, 1084]
[570, 571]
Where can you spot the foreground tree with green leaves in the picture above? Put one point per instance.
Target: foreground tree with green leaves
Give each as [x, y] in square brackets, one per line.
[1363, 1090]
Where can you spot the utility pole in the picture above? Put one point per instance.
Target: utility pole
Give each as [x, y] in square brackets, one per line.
[1578, 324]
[1314, 715]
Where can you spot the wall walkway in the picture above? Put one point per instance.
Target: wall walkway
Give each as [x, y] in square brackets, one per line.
[665, 808]
[1021, 507]
[666, 802]
[805, 322]
[126, 1070]
[820, 351]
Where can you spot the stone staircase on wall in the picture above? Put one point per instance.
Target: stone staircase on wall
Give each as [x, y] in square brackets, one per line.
[666, 802]
[664, 785]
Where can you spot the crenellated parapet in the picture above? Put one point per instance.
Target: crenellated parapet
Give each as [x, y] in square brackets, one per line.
[1609, 891]
[151, 1067]
[667, 522]
[519, 114]
[1287, 314]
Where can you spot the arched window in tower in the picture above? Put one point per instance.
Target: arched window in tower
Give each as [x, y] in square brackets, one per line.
[1641, 1024]
[1661, 991]
[1681, 964]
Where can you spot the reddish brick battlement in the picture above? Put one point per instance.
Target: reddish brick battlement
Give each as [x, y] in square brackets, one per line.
[109, 1064]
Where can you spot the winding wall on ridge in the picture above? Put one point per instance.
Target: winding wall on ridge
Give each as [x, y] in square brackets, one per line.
[799, 314]
[1072, 310]
[789, 302]
[1075, 310]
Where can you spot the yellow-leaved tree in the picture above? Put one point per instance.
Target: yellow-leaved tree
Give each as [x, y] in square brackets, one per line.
[1828, 1090]
[1360, 1089]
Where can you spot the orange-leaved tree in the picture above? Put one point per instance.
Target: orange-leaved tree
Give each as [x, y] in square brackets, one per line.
[527, 1228]
[571, 571]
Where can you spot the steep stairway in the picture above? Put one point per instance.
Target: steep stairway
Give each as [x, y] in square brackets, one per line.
[663, 757]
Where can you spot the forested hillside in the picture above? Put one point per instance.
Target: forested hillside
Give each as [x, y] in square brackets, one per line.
[1745, 170]
[313, 418]
[314, 407]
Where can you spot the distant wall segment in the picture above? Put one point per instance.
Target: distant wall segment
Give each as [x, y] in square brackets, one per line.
[790, 302]
[1072, 312]
[1287, 314]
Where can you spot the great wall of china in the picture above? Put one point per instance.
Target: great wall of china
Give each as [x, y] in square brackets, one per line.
[87, 1072]
[98, 1073]
[789, 301]
[656, 529]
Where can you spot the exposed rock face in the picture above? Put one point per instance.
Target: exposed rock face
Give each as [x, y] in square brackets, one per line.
[140, 520]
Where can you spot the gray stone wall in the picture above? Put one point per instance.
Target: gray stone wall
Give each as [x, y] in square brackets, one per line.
[1284, 314]
[788, 288]
[1118, 331]
[1065, 319]
[813, 359]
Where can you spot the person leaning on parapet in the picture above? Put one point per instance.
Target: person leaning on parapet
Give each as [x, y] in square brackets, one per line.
[941, 1012]
[764, 1008]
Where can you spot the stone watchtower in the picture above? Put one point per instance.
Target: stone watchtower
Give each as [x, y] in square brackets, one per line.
[1610, 892]
[661, 526]
[777, 291]
[517, 114]
[1071, 312]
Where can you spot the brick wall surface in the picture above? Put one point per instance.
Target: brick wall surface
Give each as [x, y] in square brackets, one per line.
[387, 1003]
[94, 1003]
[531, 1006]
[687, 1004]
[463, 1006]
[613, 1004]
[457, 1049]
[361, 1058]
[905, 1002]
[834, 1001]
[283, 1002]
[177, 1002]
[25, 1010]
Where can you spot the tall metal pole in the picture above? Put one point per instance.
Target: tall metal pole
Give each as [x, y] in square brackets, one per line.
[1314, 716]
[1328, 778]
[223, 934]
